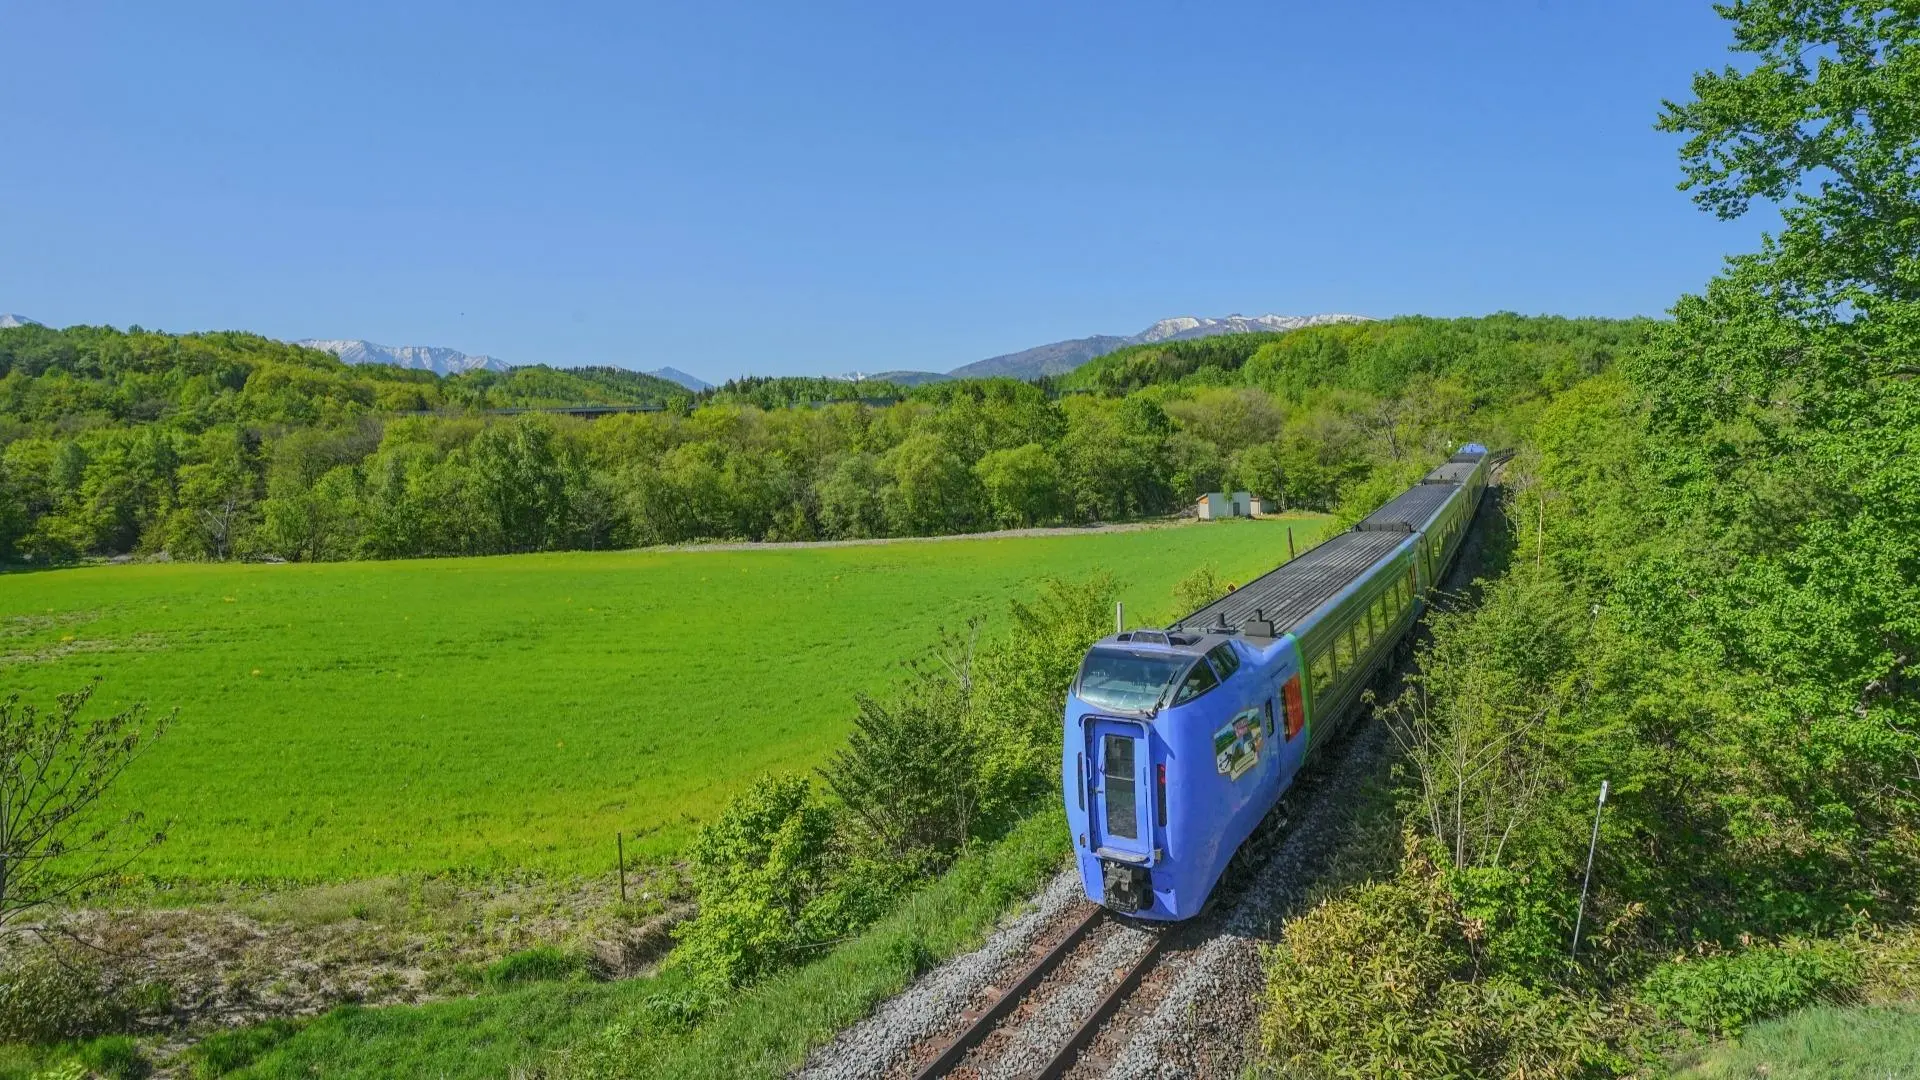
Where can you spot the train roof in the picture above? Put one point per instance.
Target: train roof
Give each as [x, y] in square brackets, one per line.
[1453, 472]
[1292, 591]
[1409, 510]
[1186, 641]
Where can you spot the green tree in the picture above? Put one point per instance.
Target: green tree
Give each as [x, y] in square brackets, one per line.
[214, 501]
[932, 492]
[521, 481]
[852, 494]
[1022, 485]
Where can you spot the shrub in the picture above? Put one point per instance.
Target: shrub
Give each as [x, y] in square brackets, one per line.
[1020, 693]
[46, 998]
[543, 963]
[774, 882]
[1387, 981]
[910, 771]
[1721, 995]
[1198, 589]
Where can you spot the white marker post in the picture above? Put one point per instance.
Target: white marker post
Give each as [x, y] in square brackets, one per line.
[1592, 843]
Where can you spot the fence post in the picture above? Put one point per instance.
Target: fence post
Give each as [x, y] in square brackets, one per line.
[620, 845]
[1289, 543]
[1119, 616]
[1592, 843]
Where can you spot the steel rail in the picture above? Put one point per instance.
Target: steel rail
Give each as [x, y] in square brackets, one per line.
[1067, 1055]
[977, 1028]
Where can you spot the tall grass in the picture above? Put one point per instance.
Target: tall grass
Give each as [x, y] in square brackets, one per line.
[1823, 1042]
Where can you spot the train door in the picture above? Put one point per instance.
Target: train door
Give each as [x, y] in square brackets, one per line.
[1122, 812]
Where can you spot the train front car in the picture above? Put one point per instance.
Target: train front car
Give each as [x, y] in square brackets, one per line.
[1177, 743]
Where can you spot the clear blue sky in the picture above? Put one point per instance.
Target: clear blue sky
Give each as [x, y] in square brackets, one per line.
[819, 187]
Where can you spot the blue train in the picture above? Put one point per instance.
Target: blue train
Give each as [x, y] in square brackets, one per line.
[1178, 741]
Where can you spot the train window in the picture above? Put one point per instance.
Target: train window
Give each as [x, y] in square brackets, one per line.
[1225, 660]
[1342, 653]
[1135, 682]
[1199, 680]
[1116, 762]
[1322, 670]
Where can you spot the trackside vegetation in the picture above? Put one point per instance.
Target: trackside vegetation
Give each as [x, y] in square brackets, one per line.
[1712, 602]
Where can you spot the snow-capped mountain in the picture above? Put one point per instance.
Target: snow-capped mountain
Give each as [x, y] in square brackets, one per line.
[1187, 326]
[419, 357]
[8, 321]
[1063, 356]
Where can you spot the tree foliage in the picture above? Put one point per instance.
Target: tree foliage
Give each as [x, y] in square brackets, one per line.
[1713, 599]
[221, 446]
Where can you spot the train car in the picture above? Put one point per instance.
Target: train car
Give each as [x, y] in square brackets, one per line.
[1178, 741]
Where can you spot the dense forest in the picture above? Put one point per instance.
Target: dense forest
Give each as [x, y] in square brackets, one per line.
[1712, 604]
[228, 445]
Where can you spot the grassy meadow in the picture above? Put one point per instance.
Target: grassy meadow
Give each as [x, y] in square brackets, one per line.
[1821, 1042]
[348, 720]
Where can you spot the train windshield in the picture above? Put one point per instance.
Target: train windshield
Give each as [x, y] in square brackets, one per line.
[1134, 682]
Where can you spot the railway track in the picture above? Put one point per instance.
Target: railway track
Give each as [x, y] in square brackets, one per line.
[972, 1052]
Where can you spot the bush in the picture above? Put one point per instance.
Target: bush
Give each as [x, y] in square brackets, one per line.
[47, 998]
[1198, 589]
[540, 964]
[910, 771]
[774, 883]
[1387, 981]
[1721, 995]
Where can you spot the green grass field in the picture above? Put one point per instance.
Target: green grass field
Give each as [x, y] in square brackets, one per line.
[356, 719]
[1823, 1042]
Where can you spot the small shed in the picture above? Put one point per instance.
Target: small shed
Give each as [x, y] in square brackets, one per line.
[1215, 505]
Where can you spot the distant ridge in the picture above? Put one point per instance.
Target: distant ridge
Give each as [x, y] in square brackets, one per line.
[417, 357]
[692, 382]
[9, 321]
[1061, 357]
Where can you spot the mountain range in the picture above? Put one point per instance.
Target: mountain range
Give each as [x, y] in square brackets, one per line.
[418, 357]
[1056, 358]
[1061, 357]
[443, 361]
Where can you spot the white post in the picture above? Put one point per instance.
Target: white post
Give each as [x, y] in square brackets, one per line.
[1593, 842]
[1119, 616]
